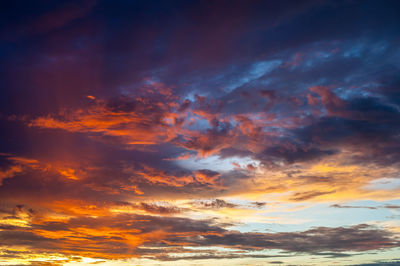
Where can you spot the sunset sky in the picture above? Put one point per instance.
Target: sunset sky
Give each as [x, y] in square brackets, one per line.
[209, 132]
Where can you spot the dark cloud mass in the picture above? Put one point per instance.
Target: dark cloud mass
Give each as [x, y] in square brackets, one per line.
[176, 131]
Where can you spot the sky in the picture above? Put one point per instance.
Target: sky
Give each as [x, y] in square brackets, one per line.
[208, 132]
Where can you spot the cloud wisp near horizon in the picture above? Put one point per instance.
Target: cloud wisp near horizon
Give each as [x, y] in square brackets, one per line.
[200, 132]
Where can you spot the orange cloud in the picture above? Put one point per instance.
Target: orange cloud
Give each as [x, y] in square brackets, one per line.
[204, 177]
[16, 166]
[137, 121]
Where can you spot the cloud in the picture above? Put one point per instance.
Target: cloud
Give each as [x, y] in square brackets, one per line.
[13, 165]
[214, 204]
[352, 207]
[302, 196]
[356, 238]
[388, 206]
[140, 121]
[129, 235]
[159, 209]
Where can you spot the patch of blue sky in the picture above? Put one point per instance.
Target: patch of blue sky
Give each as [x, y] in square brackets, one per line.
[268, 227]
[221, 249]
[191, 95]
[334, 217]
[215, 163]
[199, 124]
[393, 202]
[316, 214]
[385, 183]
